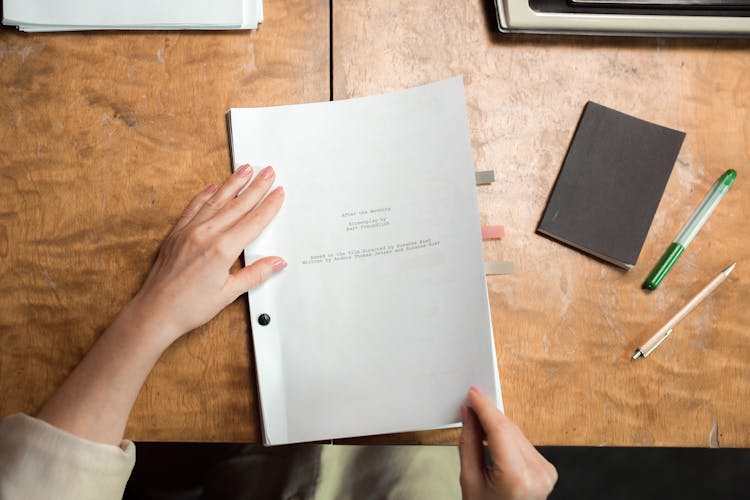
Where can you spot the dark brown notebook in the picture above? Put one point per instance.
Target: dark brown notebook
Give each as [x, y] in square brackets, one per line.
[610, 184]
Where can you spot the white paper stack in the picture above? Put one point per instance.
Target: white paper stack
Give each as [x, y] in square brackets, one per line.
[381, 321]
[77, 15]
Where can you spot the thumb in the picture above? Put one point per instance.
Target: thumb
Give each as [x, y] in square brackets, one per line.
[471, 453]
[254, 275]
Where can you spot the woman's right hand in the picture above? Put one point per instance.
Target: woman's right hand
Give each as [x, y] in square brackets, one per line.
[190, 281]
[518, 471]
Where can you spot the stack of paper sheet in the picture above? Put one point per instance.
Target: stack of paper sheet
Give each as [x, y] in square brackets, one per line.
[75, 15]
[381, 321]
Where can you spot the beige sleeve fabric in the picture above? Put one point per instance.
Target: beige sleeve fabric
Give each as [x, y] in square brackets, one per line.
[393, 472]
[40, 461]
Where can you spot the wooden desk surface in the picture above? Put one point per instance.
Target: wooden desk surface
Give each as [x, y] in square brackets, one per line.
[105, 137]
[566, 324]
[103, 140]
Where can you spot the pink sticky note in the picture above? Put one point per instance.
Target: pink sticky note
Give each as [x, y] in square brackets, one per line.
[493, 232]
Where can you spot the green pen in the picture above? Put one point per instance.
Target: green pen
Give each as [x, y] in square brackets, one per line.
[690, 230]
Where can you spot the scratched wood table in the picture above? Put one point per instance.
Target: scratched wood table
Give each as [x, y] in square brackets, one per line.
[104, 138]
[565, 324]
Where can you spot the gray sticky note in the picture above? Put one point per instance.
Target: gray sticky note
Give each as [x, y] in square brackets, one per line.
[484, 177]
[492, 268]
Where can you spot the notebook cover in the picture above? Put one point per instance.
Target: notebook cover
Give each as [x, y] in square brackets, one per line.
[610, 184]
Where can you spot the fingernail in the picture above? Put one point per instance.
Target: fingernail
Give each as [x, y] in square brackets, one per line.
[266, 173]
[210, 189]
[474, 390]
[278, 265]
[244, 170]
[279, 191]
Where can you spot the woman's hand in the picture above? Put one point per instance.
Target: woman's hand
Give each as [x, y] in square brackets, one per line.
[188, 285]
[518, 471]
[190, 282]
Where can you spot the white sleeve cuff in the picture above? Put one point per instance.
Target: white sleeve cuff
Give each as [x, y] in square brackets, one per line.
[38, 460]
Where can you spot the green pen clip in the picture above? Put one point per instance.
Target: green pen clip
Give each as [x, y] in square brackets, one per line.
[691, 229]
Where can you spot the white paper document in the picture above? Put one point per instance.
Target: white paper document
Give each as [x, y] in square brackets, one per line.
[380, 323]
[76, 15]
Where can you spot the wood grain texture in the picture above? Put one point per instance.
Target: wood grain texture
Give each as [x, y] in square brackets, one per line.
[566, 324]
[104, 138]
